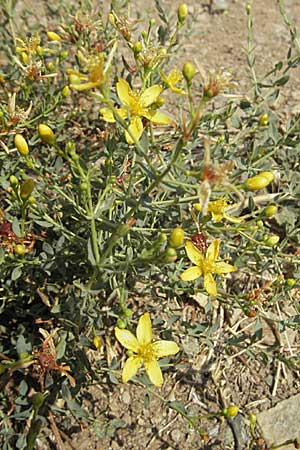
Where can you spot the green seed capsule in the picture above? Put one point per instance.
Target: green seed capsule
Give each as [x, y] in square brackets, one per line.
[121, 324]
[26, 188]
[170, 255]
[21, 144]
[38, 400]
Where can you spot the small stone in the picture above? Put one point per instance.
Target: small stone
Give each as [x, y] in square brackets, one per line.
[219, 6]
[281, 423]
[176, 435]
[126, 398]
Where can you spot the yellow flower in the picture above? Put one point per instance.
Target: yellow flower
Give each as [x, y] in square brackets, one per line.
[205, 265]
[136, 105]
[218, 209]
[145, 351]
[95, 76]
[172, 79]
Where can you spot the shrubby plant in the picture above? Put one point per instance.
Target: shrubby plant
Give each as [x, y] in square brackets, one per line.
[107, 187]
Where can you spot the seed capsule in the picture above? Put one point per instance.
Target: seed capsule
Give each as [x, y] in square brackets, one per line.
[26, 188]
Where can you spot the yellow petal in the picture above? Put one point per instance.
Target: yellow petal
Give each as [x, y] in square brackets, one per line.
[191, 274]
[165, 348]
[217, 216]
[144, 330]
[135, 130]
[157, 117]
[84, 86]
[107, 115]
[150, 95]
[154, 372]
[212, 252]
[131, 366]
[122, 113]
[194, 253]
[127, 339]
[222, 267]
[232, 218]
[124, 92]
[210, 284]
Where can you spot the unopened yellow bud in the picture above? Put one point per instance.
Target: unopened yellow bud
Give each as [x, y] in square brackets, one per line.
[46, 134]
[26, 188]
[74, 79]
[138, 47]
[188, 71]
[40, 50]
[270, 210]
[52, 36]
[177, 237]
[271, 240]
[19, 249]
[112, 19]
[264, 120]
[65, 92]
[24, 57]
[51, 66]
[291, 282]
[182, 12]
[97, 341]
[21, 145]
[13, 180]
[259, 181]
[197, 207]
[231, 411]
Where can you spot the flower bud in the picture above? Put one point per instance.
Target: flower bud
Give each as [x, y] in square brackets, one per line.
[248, 8]
[231, 411]
[51, 66]
[182, 12]
[19, 249]
[65, 92]
[137, 48]
[260, 224]
[52, 36]
[188, 71]
[263, 120]
[21, 145]
[24, 57]
[74, 79]
[13, 181]
[271, 240]
[152, 22]
[40, 50]
[259, 181]
[26, 188]
[270, 210]
[121, 323]
[97, 341]
[291, 282]
[46, 134]
[176, 238]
